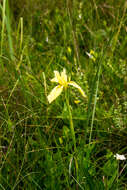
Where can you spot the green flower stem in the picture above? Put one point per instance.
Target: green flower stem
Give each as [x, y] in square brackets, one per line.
[71, 120]
[72, 133]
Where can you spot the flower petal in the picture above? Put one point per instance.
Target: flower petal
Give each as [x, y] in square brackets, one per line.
[54, 79]
[55, 93]
[57, 77]
[120, 157]
[72, 83]
[63, 75]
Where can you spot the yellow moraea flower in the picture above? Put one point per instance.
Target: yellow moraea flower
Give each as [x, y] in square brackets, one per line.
[63, 83]
[76, 101]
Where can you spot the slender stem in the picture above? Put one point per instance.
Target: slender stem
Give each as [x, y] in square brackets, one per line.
[71, 120]
[95, 101]
[21, 35]
[72, 132]
[3, 25]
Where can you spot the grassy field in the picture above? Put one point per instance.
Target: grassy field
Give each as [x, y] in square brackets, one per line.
[68, 138]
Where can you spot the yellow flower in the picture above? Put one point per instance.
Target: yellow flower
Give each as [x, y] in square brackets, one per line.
[63, 83]
[76, 101]
[69, 50]
[92, 55]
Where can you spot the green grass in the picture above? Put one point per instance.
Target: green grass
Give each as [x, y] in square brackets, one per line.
[63, 145]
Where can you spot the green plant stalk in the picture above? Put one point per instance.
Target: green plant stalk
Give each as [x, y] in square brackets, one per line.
[71, 120]
[3, 25]
[72, 132]
[95, 101]
[116, 36]
[8, 27]
[117, 174]
[21, 36]
[73, 32]
[2, 31]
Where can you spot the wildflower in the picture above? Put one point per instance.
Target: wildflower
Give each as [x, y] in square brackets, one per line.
[120, 157]
[69, 50]
[63, 83]
[76, 101]
[92, 55]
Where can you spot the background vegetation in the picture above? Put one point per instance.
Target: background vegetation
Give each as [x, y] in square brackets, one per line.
[36, 147]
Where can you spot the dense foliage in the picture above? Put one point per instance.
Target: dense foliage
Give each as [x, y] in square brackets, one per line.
[88, 39]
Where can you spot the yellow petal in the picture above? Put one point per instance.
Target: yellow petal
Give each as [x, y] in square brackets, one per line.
[63, 75]
[55, 93]
[72, 83]
[54, 79]
[57, 76]
[76, 101]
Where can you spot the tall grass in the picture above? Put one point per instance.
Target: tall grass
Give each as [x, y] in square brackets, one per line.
[6, 22]
[71, 143]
